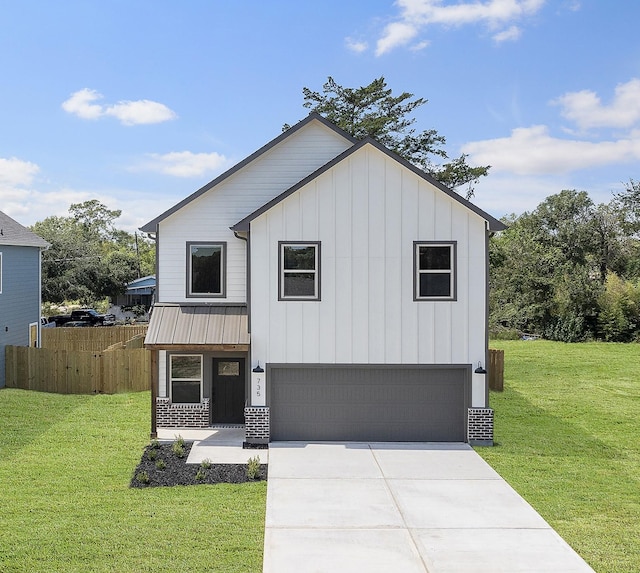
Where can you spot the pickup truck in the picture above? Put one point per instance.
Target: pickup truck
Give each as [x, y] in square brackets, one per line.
[84, 316]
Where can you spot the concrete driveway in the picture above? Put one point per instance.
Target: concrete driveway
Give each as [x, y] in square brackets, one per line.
[402, 508]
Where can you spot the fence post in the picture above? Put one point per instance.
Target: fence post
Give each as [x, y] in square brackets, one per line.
[496, 370]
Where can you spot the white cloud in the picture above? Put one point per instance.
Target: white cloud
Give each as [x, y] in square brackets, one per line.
[81, 103]
[185, 163]
[356, 46]
[15, 172]
[586, 109]
[532, 150]
[416, 15]
[508, 35]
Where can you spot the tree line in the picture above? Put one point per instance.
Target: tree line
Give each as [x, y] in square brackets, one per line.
[569, 270]
[89, 258]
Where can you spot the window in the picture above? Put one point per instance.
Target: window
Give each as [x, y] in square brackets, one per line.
[206, 264]
[434, 265]
[299, 271]
[186, 378]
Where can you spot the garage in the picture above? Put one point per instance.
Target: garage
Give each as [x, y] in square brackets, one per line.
[386, 403]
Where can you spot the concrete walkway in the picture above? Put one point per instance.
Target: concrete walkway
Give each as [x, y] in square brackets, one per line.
[402, 508]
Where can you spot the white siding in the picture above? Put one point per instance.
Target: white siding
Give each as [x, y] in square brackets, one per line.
[209, 217]
[367, 211]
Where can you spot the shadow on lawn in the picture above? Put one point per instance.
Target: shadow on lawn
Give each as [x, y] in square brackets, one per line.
[26, 415]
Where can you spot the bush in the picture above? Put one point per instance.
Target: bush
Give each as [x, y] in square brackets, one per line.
[253, 468]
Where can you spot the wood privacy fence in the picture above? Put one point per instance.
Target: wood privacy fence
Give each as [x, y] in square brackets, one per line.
[60, 367]
[94, 339]
[496, 370]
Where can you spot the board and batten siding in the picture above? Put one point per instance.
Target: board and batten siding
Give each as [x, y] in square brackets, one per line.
[367, 211]
[20, 297]
[208, 217]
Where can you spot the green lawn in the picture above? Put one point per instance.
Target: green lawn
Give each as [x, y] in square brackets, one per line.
[65, 504]
[567, 439]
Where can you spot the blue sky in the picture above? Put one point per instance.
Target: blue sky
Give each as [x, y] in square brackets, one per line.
[138, 103]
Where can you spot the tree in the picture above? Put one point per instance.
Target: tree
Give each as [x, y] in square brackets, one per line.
[372, 111]
[89, 259]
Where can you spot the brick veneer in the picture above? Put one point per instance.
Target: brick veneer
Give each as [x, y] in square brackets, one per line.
[182, 415]
[256, 420]
[480, 426]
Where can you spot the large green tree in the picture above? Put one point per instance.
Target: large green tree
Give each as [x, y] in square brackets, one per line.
[373, 111]
[89, 259]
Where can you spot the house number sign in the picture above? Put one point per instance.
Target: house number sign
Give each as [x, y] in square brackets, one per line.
[258, 387]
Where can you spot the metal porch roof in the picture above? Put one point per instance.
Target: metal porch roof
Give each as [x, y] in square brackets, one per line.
[204, 327]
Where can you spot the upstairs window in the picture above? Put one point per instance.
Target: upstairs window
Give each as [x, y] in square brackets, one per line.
[299, 271]
[206, 269]
[435, 276]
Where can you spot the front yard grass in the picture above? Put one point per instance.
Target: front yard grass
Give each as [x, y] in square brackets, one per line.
[566, 431]
[65, 502]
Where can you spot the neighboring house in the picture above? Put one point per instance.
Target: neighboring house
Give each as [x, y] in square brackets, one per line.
[323, 289]
[139, 292]
[20, 287]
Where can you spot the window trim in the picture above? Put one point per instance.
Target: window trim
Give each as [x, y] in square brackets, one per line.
[281, 271]
[223, 269]
[453, 245]
[172, 379]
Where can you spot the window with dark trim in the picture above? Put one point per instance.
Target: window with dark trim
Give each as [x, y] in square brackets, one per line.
[185, 378]
[434, 270]
[206, 269]
[299, 270]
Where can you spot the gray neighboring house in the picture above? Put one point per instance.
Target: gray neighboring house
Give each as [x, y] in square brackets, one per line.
[20, 286]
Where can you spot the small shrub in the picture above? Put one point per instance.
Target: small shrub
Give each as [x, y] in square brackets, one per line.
[201, 475]
[152, 454]
[178, 446]
[142, 477]
[160, 464]
[253, 468]
[206, 463]
[178, 450]
[154, 444]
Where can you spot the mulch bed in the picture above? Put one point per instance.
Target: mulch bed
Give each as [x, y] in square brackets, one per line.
[178, 472]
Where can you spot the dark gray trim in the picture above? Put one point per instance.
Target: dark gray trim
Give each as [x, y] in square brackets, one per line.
[487, 237]
[454, 271]
[318, 246]
[248, 280]
[157, 241]
[313, 116]
[494, 223]
[223, 263]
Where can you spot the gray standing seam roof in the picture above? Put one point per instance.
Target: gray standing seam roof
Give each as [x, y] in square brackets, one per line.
[14, 234]
[198, 325]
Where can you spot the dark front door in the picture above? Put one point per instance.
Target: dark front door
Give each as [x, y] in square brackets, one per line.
[228, 391]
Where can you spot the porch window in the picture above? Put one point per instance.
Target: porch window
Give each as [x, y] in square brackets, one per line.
[186, 378]
[206, 270]
[435, 271]
[299, 265]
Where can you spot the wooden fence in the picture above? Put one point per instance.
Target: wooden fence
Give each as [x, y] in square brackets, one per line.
[496, 370]
[67, 363]
[94, 339]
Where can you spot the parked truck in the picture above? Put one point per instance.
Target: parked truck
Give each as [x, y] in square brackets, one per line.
[83, 317]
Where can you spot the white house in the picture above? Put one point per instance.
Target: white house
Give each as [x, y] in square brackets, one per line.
[323, 289]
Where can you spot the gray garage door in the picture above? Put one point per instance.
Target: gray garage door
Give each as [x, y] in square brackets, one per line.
[368, 403]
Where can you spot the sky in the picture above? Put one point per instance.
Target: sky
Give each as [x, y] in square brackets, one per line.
[139, 103]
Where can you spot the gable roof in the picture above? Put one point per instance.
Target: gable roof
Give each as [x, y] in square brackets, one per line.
[14, 234]
[150, 227]
[494, 224]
